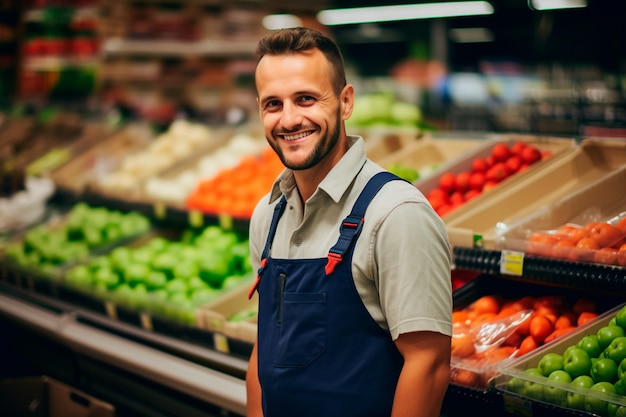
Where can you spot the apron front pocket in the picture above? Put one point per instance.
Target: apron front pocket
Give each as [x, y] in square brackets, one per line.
[302, 329]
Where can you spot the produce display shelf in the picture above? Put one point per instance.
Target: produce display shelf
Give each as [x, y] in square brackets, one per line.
[582, 275]
[102, 349]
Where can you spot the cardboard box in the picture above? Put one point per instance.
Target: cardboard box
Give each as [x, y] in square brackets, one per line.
[46, 397]
[602, 200]
[513, 379]
[474, 224]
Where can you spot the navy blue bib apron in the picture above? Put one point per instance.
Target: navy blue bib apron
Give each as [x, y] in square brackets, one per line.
[320, 353]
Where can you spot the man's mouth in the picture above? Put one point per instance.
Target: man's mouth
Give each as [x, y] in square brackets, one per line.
[297, 135]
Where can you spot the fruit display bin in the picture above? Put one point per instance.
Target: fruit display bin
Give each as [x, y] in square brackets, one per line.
[380, 146]
[233, 314]
[514, 382]
[427, 155]
[495, 316]
[562, 230]
[38, 256]
[551, 149]
[99, 159]
[180, 142]
[173, 186]
[475, 223]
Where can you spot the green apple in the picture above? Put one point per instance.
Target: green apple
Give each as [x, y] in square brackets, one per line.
[120, 257]
[158, 244]
[176, 286]
[590, 344]
[142, 255]
[550, 362]
[533, 389]
[79, 277]
[596, 405]
[620, 318]
[135, 273]
[164, 262]
[603, 370]
[576, 400]
[553, 393]
[155, 280]
[576, 361]
[616, 350]
[202, 296]
[185, 269]
[621, 369]
[607, 333]
[107, 277]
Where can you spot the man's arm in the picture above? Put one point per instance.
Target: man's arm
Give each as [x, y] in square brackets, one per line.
[425, 375]
[253, 387]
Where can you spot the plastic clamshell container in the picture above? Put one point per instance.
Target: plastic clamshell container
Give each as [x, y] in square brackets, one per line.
[603, 200]
[427, 155]
[477, 373]
[535, 188]
[516, 369]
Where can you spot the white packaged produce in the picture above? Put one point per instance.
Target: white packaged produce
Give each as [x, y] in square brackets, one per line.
[27, 206]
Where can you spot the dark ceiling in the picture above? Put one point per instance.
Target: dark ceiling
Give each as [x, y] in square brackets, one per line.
[587, 36]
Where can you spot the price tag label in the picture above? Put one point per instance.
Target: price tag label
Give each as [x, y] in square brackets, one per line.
[478, 241]
[512, 263]
[160, 210]
[221, 343]
[146, 321]
[225, 221]
[110, 309]
[517, 406]
[196, 218]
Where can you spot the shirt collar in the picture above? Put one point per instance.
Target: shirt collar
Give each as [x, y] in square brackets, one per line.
[338, 179]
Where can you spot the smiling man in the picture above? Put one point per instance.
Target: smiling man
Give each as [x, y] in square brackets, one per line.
[354, 265]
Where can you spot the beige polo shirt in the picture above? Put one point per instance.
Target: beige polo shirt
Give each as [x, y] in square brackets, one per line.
[402, 258]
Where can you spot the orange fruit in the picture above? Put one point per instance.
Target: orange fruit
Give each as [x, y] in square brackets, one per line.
[621, 225]
[584, 250]
[486, 304]
[462, 346]
[606, 255]
[606, 235]
[621, 255]
[585, 317]
[528, 345]
[540, 327]
[562, 249]
[566, 319]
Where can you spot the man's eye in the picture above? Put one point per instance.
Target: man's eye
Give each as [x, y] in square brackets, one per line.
[272, 104]
[306, 98]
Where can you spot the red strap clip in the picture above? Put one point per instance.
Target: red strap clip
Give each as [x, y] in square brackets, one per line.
[255, 286]
[333, 260]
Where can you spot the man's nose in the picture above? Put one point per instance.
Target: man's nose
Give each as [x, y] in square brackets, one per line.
[291, 116]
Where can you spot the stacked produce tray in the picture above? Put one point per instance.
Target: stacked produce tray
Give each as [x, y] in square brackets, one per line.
[475, 223]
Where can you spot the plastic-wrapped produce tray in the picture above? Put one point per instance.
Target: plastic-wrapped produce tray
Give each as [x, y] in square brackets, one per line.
[497, 333]
[595, 212]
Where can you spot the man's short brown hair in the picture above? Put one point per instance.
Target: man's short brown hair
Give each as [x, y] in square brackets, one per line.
[294, 40]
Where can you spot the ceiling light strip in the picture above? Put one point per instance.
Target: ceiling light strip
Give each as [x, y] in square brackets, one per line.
[357, 15]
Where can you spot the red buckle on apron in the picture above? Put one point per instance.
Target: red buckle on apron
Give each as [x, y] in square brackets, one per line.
[255, 286]
[333, 260]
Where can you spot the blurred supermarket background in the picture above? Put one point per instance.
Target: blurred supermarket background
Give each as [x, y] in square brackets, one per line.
[548, 66]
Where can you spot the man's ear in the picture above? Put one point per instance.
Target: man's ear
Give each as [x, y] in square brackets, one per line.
[347, 101]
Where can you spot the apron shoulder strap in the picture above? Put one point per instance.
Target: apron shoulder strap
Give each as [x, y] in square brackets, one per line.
[351, 226]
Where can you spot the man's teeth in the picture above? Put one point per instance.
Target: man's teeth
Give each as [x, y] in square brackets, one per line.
[294, 137]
